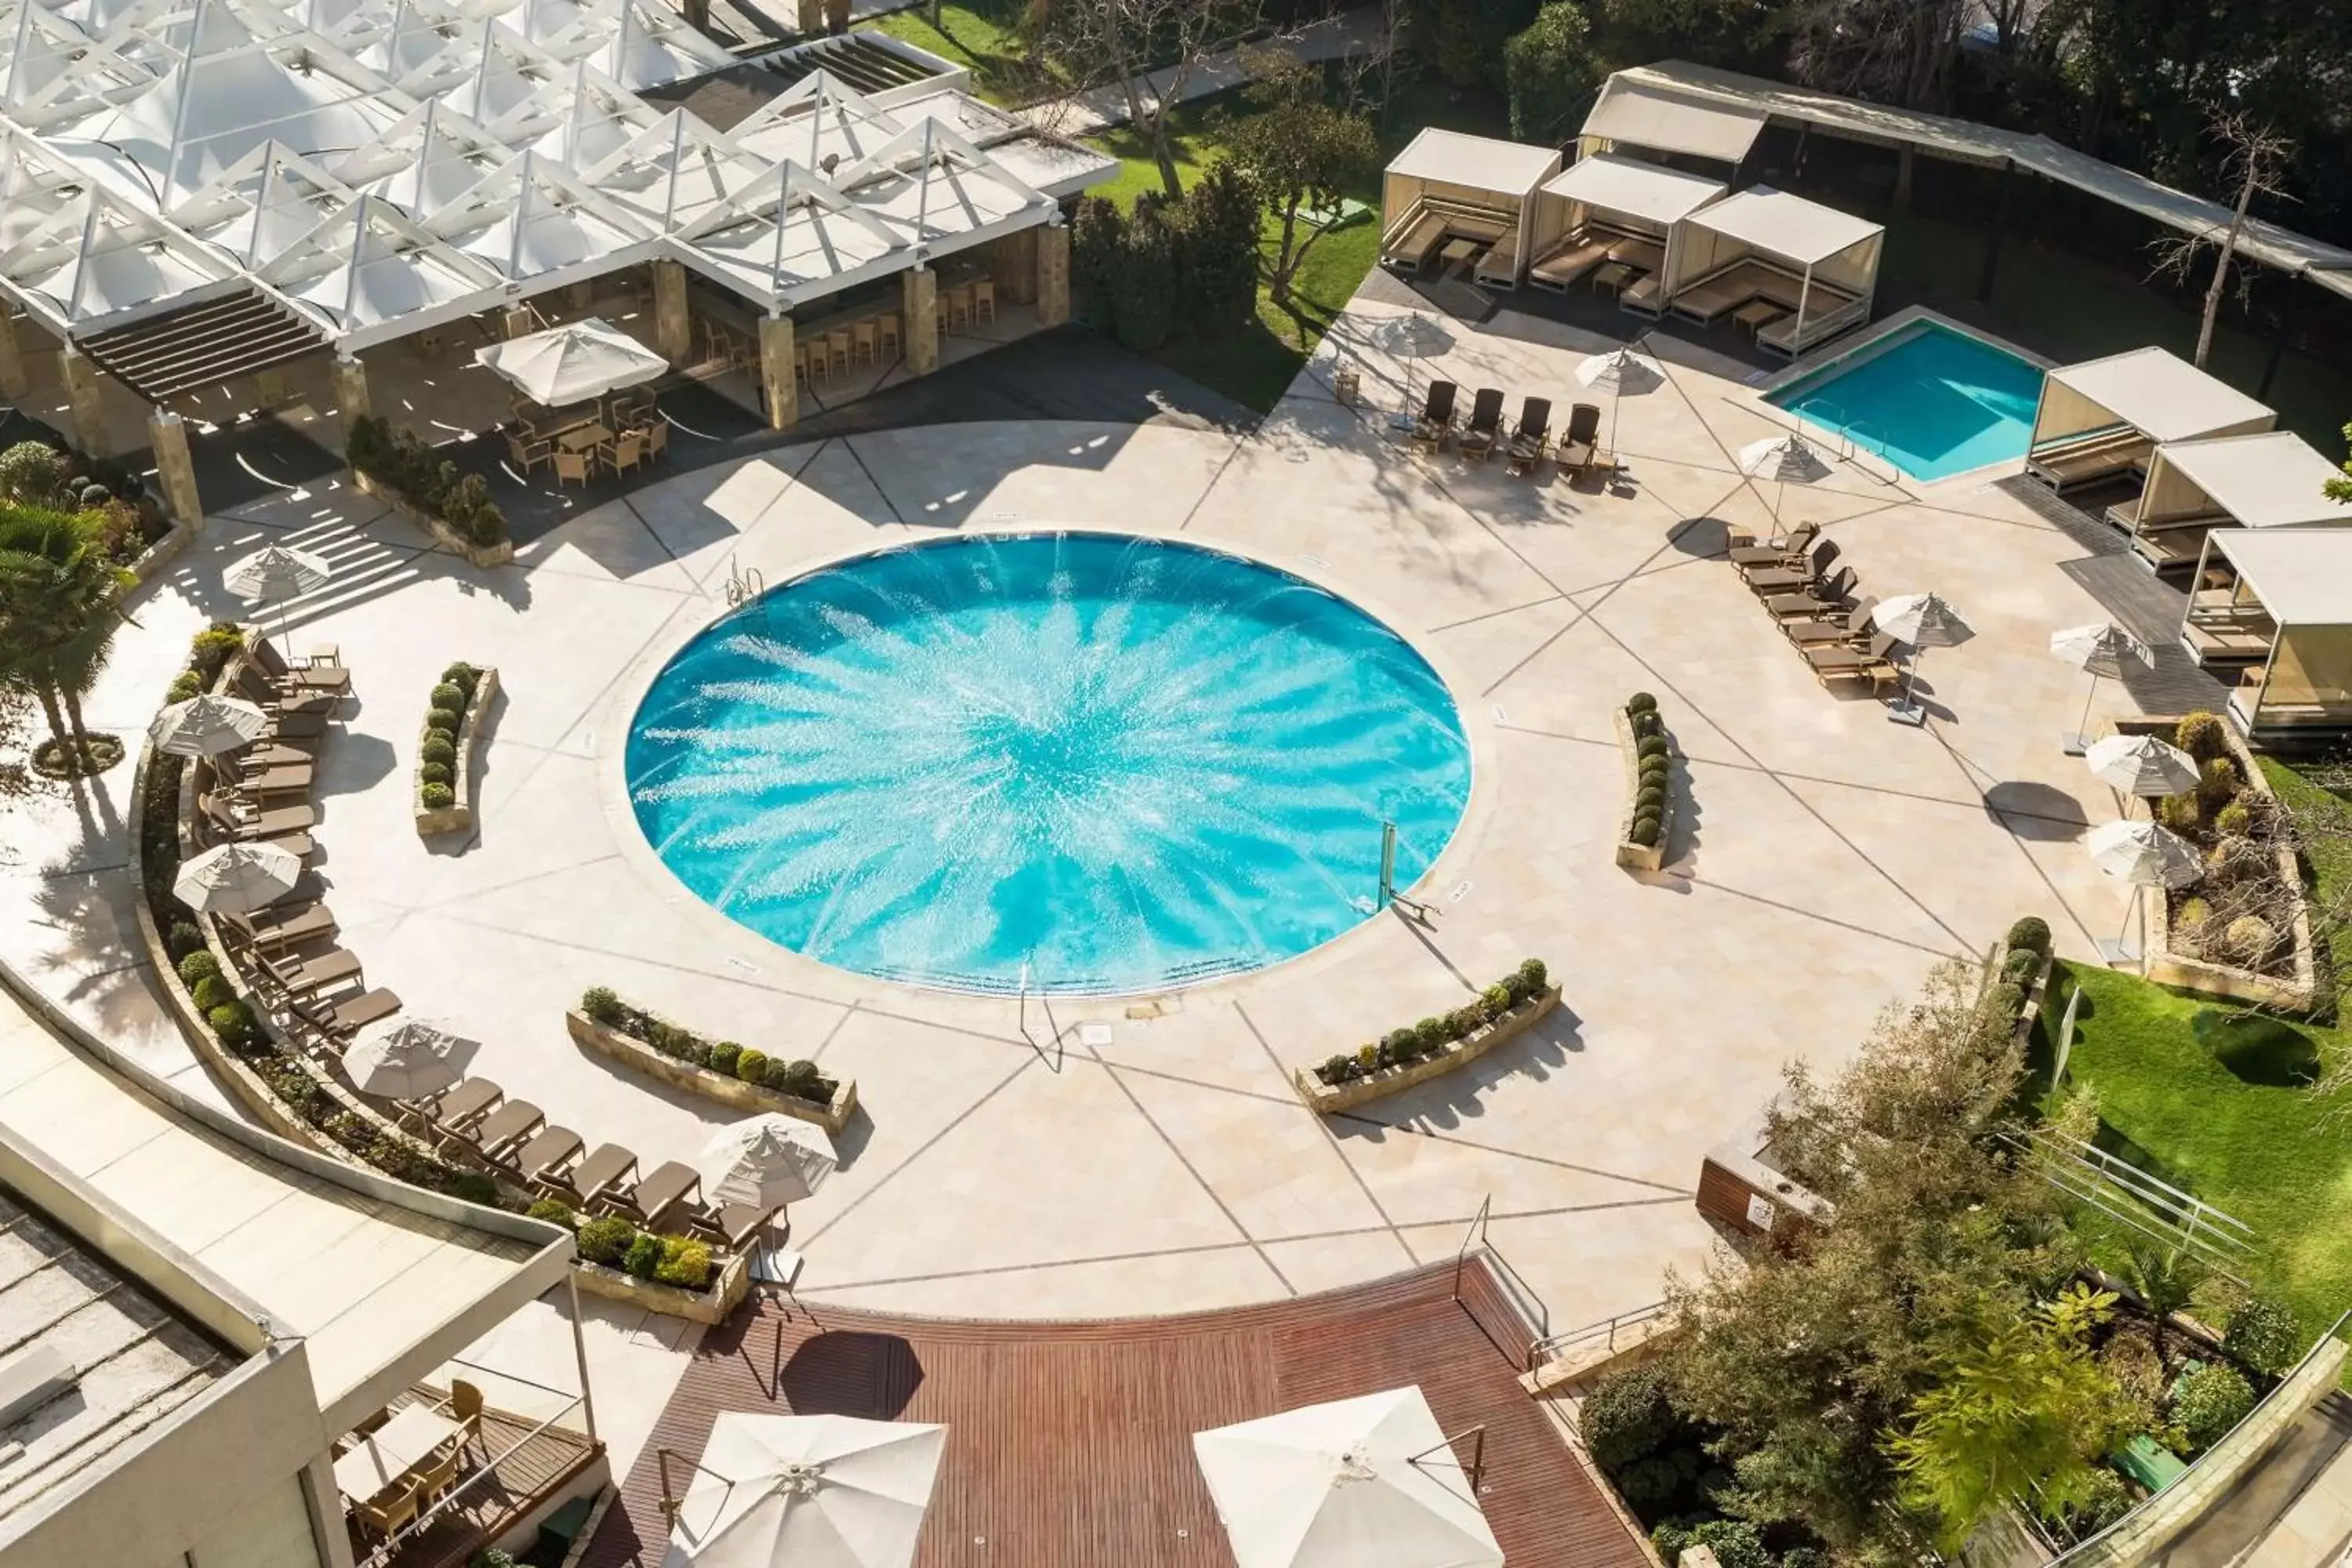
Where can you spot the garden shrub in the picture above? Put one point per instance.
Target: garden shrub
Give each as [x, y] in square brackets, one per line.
[751, 1066]
[2031, 932]
[1627, 1416]
[212, 991]
[210, 650]
[2234, 820]
[187, 684]
[1497, 998]
[234, 1023]
[438, 796]
[1429, 1034]
[2108, 1496]
[2217, 783]
[2020, 966]
[1144, 288]
[33, 473]
[1650, 798]
[1467, 1020]
[1813, 1557]
[186, 938]
[1640, 702]
[1735, 1543]
[437, 774]
[2263, 1334]
[601, 1002]
[1646, 832]
[644, 1257]
[493, 1558]
[439, 748]
[2192, 916]
[1367, 1057]
[1533, 974]
[2209, 1399]
[1650, 746]
[685, 1264]
[551, 1210]
[449, 695]
[198, 967]
[1339, 1070]
[462, 675]
[473, 1187]
[2248, 940]
[2181, 813]
[2006, 999]
[606, 1239]
[1647, 724]
[723, 1057]
[1669, 1540]
[787, 1077]
[2201, 735]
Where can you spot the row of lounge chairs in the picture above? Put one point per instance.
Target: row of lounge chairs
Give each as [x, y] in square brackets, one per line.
[1523, 446]
[1811, 598]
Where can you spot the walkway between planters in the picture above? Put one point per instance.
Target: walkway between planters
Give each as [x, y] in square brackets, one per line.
[1098, 108]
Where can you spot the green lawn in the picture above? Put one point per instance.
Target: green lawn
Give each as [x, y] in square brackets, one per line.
[980, 37]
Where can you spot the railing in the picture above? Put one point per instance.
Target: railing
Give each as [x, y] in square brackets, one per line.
[744, 584]
[2155, 1208]
[484, 1475]
[1552, 1346]
[1508, 1279]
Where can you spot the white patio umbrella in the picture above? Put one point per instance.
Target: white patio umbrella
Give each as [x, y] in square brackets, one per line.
[2146, 856]
[1924, 621]
[574, 362]
[2104, 650]
[1410, 338]
[766, 1161]
[275, 574]
[237, 879]
[207, 726]
[2142, 765]
[1368, 1482]
[1786, 460]
[408, 1059]
[805, 1491]
[1619, 371]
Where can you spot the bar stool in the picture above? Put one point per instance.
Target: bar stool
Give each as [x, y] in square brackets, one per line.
[836, 348]
[890, 339]
[960, 306]
[983, 299]
[862, 342]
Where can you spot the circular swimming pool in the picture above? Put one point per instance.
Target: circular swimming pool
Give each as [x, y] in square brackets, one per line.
[1103, 763]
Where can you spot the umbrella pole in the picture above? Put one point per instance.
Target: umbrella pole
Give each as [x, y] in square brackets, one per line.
[2082, 725]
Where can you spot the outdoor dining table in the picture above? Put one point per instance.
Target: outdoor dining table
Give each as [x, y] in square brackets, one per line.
[584, 438]
[391, 1451]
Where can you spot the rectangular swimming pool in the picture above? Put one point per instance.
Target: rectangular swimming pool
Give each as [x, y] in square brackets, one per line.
[1933, 402]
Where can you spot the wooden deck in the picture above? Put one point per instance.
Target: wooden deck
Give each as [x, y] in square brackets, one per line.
[1070, 1445]
[540, 1468]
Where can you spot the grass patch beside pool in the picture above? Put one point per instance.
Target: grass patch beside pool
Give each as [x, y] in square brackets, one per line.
[979, 37]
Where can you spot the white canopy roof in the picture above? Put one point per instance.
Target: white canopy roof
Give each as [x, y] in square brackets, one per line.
[1786, 226]
[2302, 575]
[1634, 187]
[2164, 397]
[1647, 115]
[1480, 163]
[2272, 481]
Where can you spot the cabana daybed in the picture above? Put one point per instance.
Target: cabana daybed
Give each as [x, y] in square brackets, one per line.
[2105, 418]
[1446, 186]
[2270, 480]
[1609, 207]
[1818, 264]
[2279, 602]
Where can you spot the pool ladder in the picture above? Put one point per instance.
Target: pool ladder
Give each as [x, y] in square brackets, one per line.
[744, 584]
[1831, 416]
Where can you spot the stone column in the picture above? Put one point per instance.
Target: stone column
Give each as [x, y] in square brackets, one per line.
[350, 384]
[176, 471]
[673, 327]
[777, 381]
[85, 395]
[1053, 276]
[921, 314]
[1012, 264]
[811, 16]
[13, 381]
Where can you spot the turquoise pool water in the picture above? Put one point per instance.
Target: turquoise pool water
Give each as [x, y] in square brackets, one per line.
[1122, 763]
[1935, 403]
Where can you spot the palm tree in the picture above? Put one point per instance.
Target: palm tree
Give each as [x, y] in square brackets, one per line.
[61, 601]
[2163, 1279]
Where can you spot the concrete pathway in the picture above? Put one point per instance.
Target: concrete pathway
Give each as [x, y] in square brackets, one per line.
[1098, 108]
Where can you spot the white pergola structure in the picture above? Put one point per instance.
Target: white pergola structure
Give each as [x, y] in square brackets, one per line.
[2273, 479]
[192, 190]
[2277, 602]
[2105, 418]
[1818, 264]
[1447, 187]
[1605, 208]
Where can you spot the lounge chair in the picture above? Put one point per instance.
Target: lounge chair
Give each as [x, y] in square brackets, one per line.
[1436, 419]
[458, 1107]
[307, 976]
[1499, 264]
[252, 782]
[499, 1132]
[1846, 626]
[280, 926]
[291, 713]
[649, 1202]
[1872, 662]
[1785, 579]
[606, 1167]
[1527, 442]
[551, 1149]
[1485, 423]
[335, 1025]
[1816, 600]
[1581, 442]
[1780, 552]
[312, 676]
[1566, 265]
[270, 824]
[733, 1225]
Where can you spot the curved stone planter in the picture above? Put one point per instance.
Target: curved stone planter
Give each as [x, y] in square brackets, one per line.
[710, 1305]
[458, 815]
[632, 1052]
[1326, 1098]
[158, 555]
[502, 553]
[1631, 856]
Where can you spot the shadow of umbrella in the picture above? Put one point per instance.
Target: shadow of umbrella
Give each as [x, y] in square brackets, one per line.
[2037, 811]
[851, 1374]
[1411, 339]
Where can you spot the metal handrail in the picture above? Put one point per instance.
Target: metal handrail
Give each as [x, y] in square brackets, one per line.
[384, 1553]
[1549, 1348]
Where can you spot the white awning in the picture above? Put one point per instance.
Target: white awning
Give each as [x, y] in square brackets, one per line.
[1637, 189]
[1786, 226]
[2272, 481]
[2301, 575]
[2163, 397]
[1480, 163]
[1671, 122]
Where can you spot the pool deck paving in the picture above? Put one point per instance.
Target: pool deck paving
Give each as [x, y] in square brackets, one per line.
[1007, 1162]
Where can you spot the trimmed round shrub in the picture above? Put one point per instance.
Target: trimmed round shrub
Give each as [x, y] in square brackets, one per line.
[2031, 934]
[234, 1023]
[603, 1004]
[1627, 1416]
[1653, 820]
[2208, 1400]
[1650, 746]
[1669, 1539]
[644, 1257]
[2265, 1335]
[685, 1264]
[1647, 724]
[2217, 782]
[606, 1239]
[437, 774]
[2181, 813]
[1533, 974]
[751, 1066]
[2192, 916]
[1649, 798]
[186, 938]
[33, 473]
[212, 991]
[462, 677]
[787, 1077]
[443, 721]
[198, 967]
[437, 748]
[1367, 1057]
[1640, 702]
[449, 694]
[724, 1056]
[2203, 736]
[1465, 1021]
[1339, 1070]
[184, 686]
[1399, 1045]
[1646, 832]
[1429, 1034]
[2234, 820]
[438, 796]
[1496, 996]
[553, 1212]
[2249, 939]
[2020, 966]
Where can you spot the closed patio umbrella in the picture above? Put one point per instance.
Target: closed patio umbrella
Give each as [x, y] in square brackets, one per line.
[1786, 460]
[805, 1491]
[766, 1161]
[1368, 1482]
[574, 363]
[1619, 371]
[1924, 621]
[2105, 650]
[207, 726]
[407, 1058]
[2142, 765]
[237, 879]
[2146, 856]
[275, 574]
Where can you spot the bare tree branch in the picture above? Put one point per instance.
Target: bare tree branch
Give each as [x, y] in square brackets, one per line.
[2257, 157]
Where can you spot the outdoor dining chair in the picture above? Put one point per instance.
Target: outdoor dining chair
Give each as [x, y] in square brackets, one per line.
[528, 454]
[983, 299]
[571, 467]
[960, 306]
[393, 1512]
[657, 435]
[1526, 447]
[863, 343]
[622, 454]
[888, 325]
[1485, 423]
[1436, 419]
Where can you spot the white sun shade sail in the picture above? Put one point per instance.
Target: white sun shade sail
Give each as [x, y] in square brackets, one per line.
[1802, 232]
[1368, 1482]
[1643, 116]
[2273, 479]
[1650, 192]
[2301, 575]
[1479, 163]
[2162, 395]
[806, 1491]
[573, 363]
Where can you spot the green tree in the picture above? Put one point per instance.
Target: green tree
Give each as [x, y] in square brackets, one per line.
[2021, 1414]
[1553, 73]
[1098, 245]
[1462, 40]
[1217, 250]
[2164, 1280]
[1144, 289]
[1300, 150]
[59, 605]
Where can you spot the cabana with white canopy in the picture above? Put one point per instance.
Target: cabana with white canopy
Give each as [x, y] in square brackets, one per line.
[2106, 417]
[2274, 480]
[2279, 602]
[1609, 208]
[1814, 262]
[1447, 188]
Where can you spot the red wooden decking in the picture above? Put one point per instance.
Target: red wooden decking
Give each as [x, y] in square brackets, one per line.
[1070, 1445]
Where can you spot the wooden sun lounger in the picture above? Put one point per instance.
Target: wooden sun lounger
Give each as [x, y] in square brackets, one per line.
[734, 1226]
[1499, 265]
[591, 1179]
[313, 676]
[649, 1202]
[280, 926]
[1412, 250]
[501, 1130]
[550, 1149]
[1777, 552]
[1485, 424]
[1703, 302]
[269, 823]
[2097, 456]
[1871, 663]
[1565, 266]
[462, 1104]
[1815, 599]
[308, 976]
[1786, 579]
[339, 1022]
[1846, 628]
[1642, 296]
